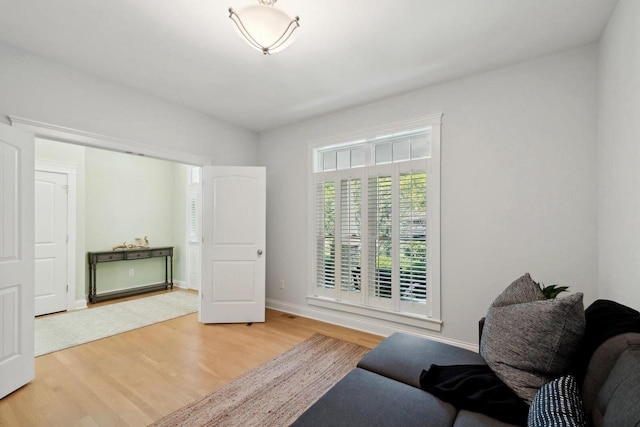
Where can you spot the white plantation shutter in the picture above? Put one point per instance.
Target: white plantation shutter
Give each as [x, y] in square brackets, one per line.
[412, 240]
[325, 237]
[193, 207]
[380, 226]
[350, 236]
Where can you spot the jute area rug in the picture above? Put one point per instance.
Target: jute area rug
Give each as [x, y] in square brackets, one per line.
[277, 392]
[66, 330]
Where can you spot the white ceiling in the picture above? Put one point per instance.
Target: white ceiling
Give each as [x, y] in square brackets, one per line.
[348, 52]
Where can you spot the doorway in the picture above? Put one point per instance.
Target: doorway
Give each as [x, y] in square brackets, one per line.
[55, 237]
[120, 197]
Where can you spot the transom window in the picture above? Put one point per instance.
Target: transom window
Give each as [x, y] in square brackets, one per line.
[373, 220]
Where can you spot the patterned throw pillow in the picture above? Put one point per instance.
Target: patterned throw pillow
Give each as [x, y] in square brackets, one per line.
[528, 340]
[557, 403]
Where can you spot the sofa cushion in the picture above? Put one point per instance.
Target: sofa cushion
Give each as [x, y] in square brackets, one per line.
[606, 319]
[528, 341]
[363, 398]
[474, 419]
[402, 357]
[602, 362]
[557, 403]
[618, 403]
[610, 329]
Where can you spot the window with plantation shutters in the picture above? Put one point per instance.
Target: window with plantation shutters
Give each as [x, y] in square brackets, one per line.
[376, 230]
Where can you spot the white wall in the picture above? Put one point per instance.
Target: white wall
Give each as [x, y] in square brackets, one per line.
[38, 89]
[619, 157]
[518, 184]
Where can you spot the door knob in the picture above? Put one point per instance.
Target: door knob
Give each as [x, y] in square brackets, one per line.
[259, 251]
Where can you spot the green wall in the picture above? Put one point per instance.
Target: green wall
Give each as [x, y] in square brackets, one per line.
[121, 197]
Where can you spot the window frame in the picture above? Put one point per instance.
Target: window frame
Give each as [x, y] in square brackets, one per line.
[430, 320]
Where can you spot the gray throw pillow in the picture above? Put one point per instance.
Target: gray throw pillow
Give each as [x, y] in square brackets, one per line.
[528, 340]
[523, 289]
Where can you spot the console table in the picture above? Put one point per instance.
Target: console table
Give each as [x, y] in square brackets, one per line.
[129, 255]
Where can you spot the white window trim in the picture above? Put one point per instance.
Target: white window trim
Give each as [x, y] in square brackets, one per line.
[433, 321]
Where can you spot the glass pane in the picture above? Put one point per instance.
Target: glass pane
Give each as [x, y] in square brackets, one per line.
[421, 147]
[379, 222]
[351, 202]
[401, 150]
[383, 153]
[413, 236]
[344, 159]
[357, 157]
[329, 161]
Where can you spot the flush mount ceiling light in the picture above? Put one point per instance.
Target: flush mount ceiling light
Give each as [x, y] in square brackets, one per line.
[264, 27]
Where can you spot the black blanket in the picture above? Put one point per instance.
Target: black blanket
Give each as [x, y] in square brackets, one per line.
[604, 319]
[475, 388]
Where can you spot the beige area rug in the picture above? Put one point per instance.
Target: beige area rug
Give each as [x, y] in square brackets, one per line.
[277, 392]
[66, 330]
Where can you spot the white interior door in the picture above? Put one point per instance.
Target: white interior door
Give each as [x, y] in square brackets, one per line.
[16, 259]
[51, 239]
[233, 262]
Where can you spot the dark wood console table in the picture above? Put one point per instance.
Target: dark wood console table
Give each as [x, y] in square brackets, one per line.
[129, 255]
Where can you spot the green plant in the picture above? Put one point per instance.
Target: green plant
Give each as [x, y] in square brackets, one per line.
[552, 291]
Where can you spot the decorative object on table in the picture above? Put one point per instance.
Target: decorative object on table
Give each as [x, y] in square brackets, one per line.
[264, 27]
[140, 243]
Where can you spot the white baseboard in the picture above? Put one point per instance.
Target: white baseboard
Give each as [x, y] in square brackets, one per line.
[360, 323]
[81, 303]
[180, 284]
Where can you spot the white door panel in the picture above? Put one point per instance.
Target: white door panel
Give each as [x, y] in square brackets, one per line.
[233, 276]
[195, 266]
[16, 259]
[235, 204]
[50, 242]
[235, 281]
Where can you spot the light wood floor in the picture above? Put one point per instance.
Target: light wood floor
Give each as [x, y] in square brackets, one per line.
[135, 378]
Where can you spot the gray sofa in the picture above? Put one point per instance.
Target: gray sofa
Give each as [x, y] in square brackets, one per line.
[384, 389]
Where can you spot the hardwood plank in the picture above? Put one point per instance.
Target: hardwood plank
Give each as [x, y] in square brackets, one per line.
[137, 377]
